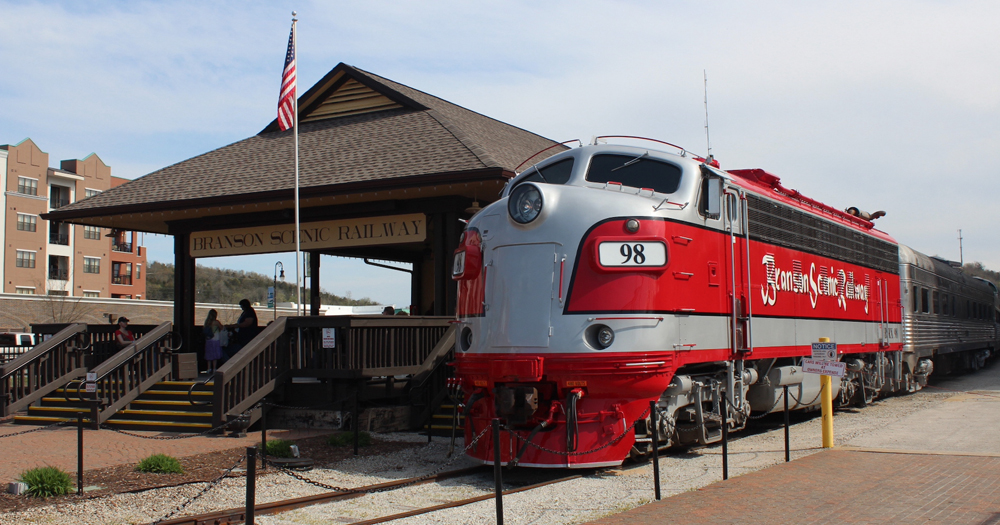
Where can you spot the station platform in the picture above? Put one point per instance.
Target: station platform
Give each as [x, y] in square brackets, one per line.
[845, 485]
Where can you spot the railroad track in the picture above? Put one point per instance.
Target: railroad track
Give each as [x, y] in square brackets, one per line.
[238, 514]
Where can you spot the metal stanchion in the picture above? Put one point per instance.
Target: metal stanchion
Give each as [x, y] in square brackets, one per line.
[251, 484]
[357, 417]
[263, 436]
[497, 471]
[787, 450]
[79, 453]
[656, 449]
[725, 437]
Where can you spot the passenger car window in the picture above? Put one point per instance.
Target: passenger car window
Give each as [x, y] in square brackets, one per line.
[636, 171]
[924, 303]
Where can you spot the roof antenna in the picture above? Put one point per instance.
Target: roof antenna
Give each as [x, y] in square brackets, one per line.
[708, 138]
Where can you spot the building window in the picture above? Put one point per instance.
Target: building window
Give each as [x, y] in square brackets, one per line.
[59, 292]
[58, 196]
[138, 271]
[25, 259]
[91, 232]
[91, 265]
[25, 290]
[91, 294]
[26, 223]
[27, 186]
[90, 193]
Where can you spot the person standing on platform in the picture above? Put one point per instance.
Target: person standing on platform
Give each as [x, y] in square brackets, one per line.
[213, 340]
[246, 327]
[123, 336]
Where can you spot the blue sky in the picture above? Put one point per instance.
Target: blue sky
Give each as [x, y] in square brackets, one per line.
[890, 105]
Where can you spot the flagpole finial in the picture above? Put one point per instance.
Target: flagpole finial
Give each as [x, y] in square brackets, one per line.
[294, 14]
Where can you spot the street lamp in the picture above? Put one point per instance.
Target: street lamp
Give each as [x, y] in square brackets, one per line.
[277, 265]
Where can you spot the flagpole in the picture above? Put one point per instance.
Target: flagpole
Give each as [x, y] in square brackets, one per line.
[298, 243]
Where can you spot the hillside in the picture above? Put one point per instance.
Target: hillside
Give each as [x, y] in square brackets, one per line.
[216, 285]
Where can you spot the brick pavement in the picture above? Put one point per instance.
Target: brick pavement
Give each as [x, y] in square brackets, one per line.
[107, 448]
[842, 486]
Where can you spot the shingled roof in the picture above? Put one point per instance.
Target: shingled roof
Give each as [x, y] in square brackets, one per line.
[357, 131]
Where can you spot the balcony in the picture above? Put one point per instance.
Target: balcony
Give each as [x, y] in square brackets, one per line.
[59, 274]
[124, 247]
[121, 279]
[58, 203]
[59, 238]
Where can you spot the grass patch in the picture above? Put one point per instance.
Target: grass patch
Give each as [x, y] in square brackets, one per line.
[45, 482]
[279, 448]
[160, 464]
[344, 439]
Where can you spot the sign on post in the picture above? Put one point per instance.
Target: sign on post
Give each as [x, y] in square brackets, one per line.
[270, 296]
[824, 351]
[824, 367]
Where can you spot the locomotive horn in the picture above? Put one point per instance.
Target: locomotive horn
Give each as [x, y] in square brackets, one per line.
[863, 214]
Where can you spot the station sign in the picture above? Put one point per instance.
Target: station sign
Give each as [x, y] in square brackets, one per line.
[824, 367]
[367, 231]
[824, 351]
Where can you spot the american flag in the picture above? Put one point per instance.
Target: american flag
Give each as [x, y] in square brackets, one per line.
[286, 100]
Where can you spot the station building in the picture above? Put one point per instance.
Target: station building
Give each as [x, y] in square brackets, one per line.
[387, 173]
[43, 257]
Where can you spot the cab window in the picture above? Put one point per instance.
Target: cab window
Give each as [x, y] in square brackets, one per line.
[636, 171]
[557, 173]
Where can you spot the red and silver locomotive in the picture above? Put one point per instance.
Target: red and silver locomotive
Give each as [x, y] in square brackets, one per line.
[608, 276]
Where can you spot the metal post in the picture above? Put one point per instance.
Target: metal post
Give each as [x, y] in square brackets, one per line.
[787, 450]
[497, 471]
[79, 453]
[826, 399]
[656, 449]
[263, 436]
[251, 484]
[357, 418]
[725, 438]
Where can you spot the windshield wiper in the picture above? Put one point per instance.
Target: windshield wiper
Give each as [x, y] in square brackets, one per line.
[539, 172]
[631, 162]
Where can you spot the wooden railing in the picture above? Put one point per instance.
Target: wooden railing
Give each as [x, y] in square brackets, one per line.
[100, 339]
[10, 353]
[331, 347]
[43, 369]
[133, 370]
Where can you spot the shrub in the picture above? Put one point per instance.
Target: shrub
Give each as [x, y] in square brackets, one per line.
[279, 448]
[45, 482]
[160, 464]
[345, 439]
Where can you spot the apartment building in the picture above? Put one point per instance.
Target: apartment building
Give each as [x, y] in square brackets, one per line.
[53, 258]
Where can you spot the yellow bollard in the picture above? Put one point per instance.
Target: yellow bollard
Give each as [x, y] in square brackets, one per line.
[826, 400]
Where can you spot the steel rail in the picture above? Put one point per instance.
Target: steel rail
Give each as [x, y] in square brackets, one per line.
[238, 514]
[462, 502]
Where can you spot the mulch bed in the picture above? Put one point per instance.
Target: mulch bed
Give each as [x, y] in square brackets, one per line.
[200, 468]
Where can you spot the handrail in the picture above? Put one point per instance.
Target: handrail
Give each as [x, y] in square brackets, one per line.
[251, 374]
[41, 370]
[406, 346]
[135, 368]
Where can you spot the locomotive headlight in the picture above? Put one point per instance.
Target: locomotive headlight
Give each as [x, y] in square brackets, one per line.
[525, 203]
[605, 336]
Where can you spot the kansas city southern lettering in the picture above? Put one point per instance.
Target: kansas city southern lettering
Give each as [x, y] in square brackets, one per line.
[393, 229]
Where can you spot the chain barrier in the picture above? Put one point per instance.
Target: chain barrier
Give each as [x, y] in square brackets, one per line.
[185, 436]
[425, 477]
[766, 412]
[201, 492]
[39, 429]
[799, 402]
[591, 451]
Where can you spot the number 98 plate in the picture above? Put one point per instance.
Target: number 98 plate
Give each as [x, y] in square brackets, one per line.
[644, 253]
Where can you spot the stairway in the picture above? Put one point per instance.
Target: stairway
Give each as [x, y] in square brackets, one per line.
[163, 408]
[440, 423]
